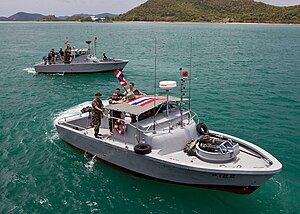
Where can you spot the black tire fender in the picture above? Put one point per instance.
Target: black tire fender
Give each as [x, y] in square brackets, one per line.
[142, 148]
[202, 129]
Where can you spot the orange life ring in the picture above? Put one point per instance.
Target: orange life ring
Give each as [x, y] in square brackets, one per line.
[117, 125]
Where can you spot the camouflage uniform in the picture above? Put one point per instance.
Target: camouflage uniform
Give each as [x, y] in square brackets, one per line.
[67, 55]
[96, 115]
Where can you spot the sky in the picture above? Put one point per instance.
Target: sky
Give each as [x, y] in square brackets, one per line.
[71, 7]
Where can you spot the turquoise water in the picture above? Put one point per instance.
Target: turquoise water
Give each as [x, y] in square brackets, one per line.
[245, 83]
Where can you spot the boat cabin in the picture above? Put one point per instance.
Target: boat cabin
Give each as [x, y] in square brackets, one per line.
[140, 113]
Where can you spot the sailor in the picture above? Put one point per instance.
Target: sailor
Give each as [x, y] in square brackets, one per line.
[115, 99]
[61, 54]
[97, 114]
[53, 55]
[104, 57]
[209, 140]
[50, 57]
[67, 54]
[133, 90]
[118, 91]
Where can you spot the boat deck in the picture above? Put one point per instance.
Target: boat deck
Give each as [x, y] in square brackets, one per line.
[84, 59]
[246, 160]
[243, 162]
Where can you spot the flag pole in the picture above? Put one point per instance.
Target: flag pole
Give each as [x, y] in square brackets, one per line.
[125, 90]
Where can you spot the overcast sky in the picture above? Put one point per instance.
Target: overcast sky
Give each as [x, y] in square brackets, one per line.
[70, 7]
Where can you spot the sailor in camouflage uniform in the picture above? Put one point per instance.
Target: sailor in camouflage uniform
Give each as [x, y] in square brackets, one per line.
[97, 114]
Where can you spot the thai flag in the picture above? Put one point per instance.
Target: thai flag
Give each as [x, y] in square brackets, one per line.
[121, 78]
[143, 100]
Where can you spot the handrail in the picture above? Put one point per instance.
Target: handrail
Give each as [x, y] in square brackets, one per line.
[195, 115]
[75, 114]
[75, 126]
[192, 116]
[110, 117]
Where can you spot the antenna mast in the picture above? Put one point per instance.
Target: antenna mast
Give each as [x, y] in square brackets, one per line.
[190, 79]
[154, 87]
[95, 39]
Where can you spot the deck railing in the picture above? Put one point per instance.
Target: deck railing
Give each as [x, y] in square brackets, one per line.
[111, 119]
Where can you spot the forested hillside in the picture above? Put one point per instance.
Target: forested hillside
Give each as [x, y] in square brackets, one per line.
[212, 11]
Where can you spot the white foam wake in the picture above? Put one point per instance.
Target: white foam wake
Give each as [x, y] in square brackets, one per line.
[30, 70]
[89, 165]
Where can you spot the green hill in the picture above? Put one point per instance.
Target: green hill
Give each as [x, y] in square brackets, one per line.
[22, 16]
[212, 11]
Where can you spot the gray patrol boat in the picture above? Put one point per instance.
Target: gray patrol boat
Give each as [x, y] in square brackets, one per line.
[156, 137]
[82, 62]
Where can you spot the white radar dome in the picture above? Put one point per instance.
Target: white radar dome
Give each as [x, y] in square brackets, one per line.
[167, 85]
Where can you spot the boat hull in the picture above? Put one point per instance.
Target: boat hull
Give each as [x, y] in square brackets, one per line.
[227, 188]
[81, 68]
[125, 159]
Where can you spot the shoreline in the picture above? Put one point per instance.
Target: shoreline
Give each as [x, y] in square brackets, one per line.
[160, 22]
[227, 23]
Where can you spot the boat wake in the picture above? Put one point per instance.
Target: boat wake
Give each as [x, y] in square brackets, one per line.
[279, 189]
[89, 165]
[58, 74]
[30, 70]
[33, 71]
[53, 136]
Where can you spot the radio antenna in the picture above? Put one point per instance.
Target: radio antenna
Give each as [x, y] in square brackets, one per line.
[154, 109]
[190, 79]
[95, 41]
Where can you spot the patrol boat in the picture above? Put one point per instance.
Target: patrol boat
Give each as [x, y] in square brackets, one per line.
[82, 62]
[156, 137]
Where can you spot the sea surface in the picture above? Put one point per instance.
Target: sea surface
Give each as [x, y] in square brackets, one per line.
[245, 82]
